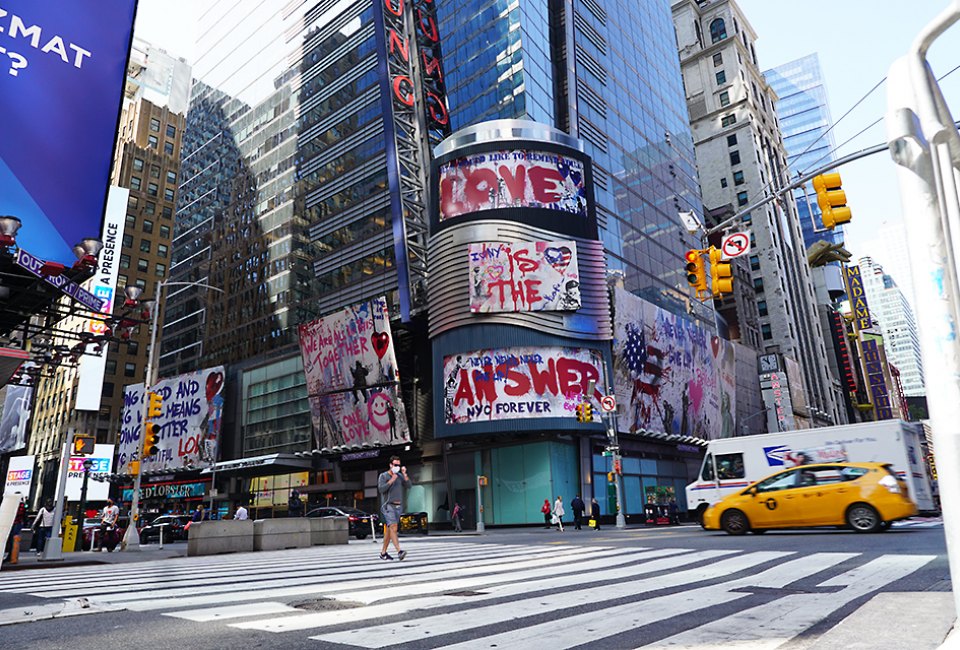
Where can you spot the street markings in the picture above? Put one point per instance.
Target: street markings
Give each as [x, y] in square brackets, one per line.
[464, 594]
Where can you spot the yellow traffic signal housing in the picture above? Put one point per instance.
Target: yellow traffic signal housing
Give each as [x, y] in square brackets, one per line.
[696, 271]
[151, 439]
[154, 405]
[721, 273]
[579, 412]
[588, 412]
[610, 477]
[134, 467]
[83, 445]
[832, 200]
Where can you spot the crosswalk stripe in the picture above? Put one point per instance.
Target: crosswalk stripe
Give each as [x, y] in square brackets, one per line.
[771, 625]
[413, 596]
[371, 637]
[234, 611]
[566, 632]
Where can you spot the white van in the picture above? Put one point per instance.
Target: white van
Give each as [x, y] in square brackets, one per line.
[734, 463]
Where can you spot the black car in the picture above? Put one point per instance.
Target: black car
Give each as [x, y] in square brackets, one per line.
[359, 521]
[173, 529]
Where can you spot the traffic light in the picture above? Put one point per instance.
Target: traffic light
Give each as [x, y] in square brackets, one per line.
[617, 467]
[610, 477]
[579, 412]
[696, 271]
[151, 439]
[721, 274]
[154, 405]
[83, 445]
[588, 412]
[832, 200]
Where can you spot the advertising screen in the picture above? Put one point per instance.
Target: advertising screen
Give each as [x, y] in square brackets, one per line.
[62, 72]
[531, 276]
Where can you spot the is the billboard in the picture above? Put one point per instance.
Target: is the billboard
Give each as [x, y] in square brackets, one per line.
[62, 72]
[528, 276]
[14, 417]
[189, 426]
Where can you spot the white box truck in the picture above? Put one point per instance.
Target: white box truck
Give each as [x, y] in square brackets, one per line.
[732, 464]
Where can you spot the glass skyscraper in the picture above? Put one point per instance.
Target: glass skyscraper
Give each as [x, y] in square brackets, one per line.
[608, 74]
[805, 123]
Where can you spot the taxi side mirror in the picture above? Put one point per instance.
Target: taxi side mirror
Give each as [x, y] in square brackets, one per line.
[752, 491]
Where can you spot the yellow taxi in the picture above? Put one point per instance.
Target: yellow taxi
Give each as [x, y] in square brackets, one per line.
[863, 496]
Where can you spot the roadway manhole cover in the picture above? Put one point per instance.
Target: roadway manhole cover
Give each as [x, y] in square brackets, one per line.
[325, 604]
[466, 593]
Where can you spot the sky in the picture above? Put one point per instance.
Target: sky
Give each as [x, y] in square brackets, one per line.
[856, 42]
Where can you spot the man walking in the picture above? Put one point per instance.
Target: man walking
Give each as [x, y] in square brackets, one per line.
[578, 507]
[108, 522]
[390, 485]
[241, 514]
[595, 512]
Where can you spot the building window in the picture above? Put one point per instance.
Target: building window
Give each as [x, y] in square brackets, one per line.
[153, 189]
[735, 157]
[154, 124]
[108, 389]
[133, 347]
[725, 98]
[167, 212]
[140, 282]
[152, 141]
[758, 285]
[131, 221]
[766, 332]
[142, 265]
[738, 178]
[137, 165]
[718, 30]
[147, 226]
[162, 250]
[742, 198]
[124, 263]
[154, 171]
[171, 131]
[723, 182]
[111, 366]
[144, 245]
[127, 241]
[160, 270]
[717, 59]
[172, 178]
[755, 262]
[165, 232]
[150, 208]
[721, 77]
[129, 369]
[762, 307]
[168, 194]
[731, 139]
[746, 218]
[121, 281]
[168, 148]
[135, 182]
[727, 120]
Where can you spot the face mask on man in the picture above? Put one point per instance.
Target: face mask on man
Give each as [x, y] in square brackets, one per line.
[395, 469]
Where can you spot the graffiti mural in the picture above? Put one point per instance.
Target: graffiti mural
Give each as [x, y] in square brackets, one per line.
[671, 375]
[352, 377]
[523, 382]
[512, 179]
[530, 276]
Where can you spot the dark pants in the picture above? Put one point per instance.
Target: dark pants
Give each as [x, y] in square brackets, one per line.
[596, 518]
[43, 534]
[577, 519]
[546, 519]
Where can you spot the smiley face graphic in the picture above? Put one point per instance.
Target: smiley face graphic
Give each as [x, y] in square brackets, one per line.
[378, 408]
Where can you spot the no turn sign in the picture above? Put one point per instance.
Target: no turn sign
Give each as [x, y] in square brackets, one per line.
[735, 244]
[608, 403]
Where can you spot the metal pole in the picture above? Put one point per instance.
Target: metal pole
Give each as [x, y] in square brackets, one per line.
[480, 525]
[617, 476]
[53, 547]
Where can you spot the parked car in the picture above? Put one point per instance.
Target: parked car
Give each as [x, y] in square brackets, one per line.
[865, 497]
[91, 526]
[174, 528]
[359, 521]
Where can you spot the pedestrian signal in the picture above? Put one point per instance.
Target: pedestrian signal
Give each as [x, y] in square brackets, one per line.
[154, 405]
[151, 441]
[721, 273]
[696, 271]
[83, 445]
[832, 200]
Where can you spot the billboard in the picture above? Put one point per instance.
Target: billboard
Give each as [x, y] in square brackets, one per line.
[189, 426]
[353, 383]
[671, 375]
[526, 276]
[14, 417]
[19, 475]
[104, 286]
[55, 155]
[101, 463]
[515, 178]
[518, 383]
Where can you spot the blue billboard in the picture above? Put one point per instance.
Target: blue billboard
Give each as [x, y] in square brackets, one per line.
[62, 72]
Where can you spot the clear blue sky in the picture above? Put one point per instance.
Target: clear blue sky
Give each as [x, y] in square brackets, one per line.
[855, 39]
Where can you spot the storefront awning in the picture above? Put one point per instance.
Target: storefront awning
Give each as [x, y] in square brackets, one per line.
[261, 465]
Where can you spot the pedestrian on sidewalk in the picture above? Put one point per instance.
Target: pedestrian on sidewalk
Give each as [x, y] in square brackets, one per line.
[13, 540]
[457, 517]
[108, 522]
[199, 514]
[595, 512]
[558, 512]
[43, 524]
[295, 505]
[578, 507]
[547, 512]
[390, 484]
[241, 513]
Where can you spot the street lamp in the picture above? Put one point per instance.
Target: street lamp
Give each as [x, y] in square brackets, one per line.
[131, 538]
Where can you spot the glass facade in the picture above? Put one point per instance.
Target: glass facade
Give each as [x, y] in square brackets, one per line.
[276, 415]
[805, 122]
[609, 76]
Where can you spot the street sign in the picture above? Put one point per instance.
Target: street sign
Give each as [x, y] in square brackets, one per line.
[608, 403]
[83, 445]
[735, 244]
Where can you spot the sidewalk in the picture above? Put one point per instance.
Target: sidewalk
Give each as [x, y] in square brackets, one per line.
[29, 559]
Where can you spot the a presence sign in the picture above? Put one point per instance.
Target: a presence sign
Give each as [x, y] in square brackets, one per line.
[608, 403]
[530, 276]
[735, 244]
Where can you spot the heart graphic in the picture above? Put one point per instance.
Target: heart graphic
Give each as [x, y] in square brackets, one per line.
[495, 272]
[380, 341]
[558, 257]
[715, 343]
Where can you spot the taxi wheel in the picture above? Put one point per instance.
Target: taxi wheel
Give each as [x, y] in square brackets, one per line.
[863, 518]
[734, 522]
[700, 512]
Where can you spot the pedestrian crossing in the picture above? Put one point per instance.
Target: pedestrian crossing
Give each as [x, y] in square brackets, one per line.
[466, 594]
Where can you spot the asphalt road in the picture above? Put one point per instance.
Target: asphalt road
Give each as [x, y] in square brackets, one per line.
[508, 588]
